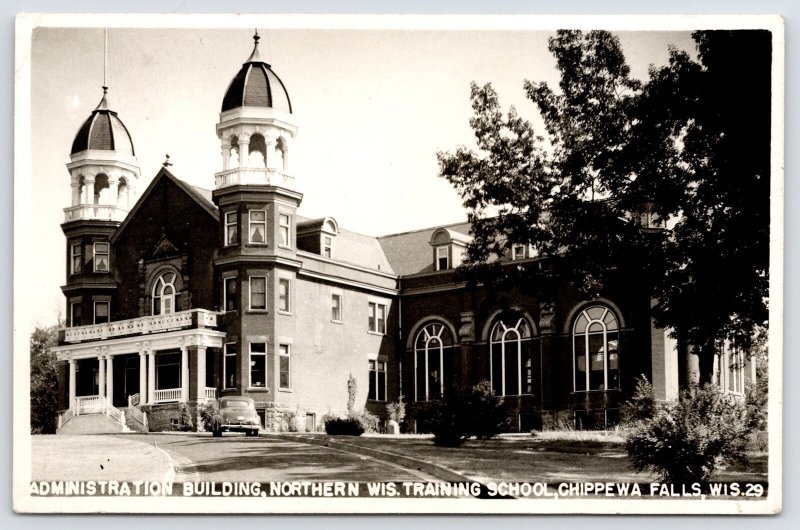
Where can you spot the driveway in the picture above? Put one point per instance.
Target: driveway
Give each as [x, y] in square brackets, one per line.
[234, 457]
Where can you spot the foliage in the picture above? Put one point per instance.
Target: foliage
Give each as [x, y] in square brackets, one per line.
[352, 390]
[465, 413]
[686, 440]
[397, 410]
[642, 405]
[44, 381]
[680, 147]
[369, 422]
[757, 392]
[210, 417]
[289, 421]
[350, 426]
[185, 421]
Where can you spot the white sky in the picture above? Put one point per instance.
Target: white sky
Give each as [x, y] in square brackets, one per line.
[372, 107]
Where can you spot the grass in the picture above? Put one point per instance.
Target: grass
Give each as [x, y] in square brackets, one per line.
[554, 456]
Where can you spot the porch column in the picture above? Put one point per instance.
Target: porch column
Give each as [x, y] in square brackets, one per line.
[101, 377]
[110, 379]
[72, 367]
[184, 374]
[201, 373]
[151, 376]
[244, 151]
[142, 377]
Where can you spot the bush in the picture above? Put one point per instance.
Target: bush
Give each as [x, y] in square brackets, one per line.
[685, 441]
[465, 413]
[369, 422]
[343, 426]
[642, 405]
[397, 410]
[210, 417]
[185, 422]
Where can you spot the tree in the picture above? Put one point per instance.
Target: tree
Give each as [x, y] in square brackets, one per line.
[614, 148]
[44, 382]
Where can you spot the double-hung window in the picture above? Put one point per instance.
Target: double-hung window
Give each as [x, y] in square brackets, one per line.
[75, 258]
[284, 303]
[327, 246]
[377, 317]
[229, 366]
[231, 228]
[258, 226]
[101, 257]
[442, 258]
[336, 307]
[284, 380]
[101, 312]
[258, 292]
[377, 380]
[229, 294]
[285, 230]
[258, 365]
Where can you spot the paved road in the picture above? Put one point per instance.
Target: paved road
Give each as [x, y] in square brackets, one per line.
[235, 457]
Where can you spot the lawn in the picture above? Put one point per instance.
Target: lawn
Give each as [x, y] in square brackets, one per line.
[548, 457]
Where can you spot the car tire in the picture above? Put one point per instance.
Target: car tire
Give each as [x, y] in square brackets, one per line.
[254, 433]
[217, 434]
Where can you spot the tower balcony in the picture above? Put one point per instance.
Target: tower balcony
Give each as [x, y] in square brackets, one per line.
[94, 212]
[254, 176]
[182, 320]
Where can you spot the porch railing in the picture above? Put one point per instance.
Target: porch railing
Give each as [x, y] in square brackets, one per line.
[166, 395]
[137, 414]
[134, 399]
[193, 318]
[211, 393]
[115, 413]
[89, 405]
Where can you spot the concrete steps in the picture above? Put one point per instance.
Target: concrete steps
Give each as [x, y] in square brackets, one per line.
[92, 424]
[133, 425]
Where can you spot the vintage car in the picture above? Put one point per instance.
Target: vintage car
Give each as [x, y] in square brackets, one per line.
[237, 414]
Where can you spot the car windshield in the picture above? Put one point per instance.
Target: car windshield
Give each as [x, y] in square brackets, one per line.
[235, 404]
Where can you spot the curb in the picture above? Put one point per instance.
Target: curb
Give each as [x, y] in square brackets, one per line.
[435, 470]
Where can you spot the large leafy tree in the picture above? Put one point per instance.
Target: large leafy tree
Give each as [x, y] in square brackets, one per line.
[44, 382]
[689, 147]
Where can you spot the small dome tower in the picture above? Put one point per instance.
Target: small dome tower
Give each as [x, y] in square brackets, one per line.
[256, 127]
[103, 168]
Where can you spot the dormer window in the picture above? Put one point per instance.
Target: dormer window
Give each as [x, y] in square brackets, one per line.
[519, 252]
[327, 246]
[442, 258]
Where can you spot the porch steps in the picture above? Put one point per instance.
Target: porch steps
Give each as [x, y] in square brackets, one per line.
[133, 424]
[92, 424]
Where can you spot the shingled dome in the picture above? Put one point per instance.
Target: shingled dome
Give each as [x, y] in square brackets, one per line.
[103, 131]
[256, 85]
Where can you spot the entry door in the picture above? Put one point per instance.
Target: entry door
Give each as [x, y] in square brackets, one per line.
[131, 384]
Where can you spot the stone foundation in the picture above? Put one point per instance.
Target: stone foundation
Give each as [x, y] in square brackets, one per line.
[282, 417]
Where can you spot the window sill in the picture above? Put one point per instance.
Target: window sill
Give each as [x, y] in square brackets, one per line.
[285, 247]
[257, 311]
[376, 333]
[287, 313]
[252, 244]
[286, 390]
[337, 322]
[376, 400]
[595, 391]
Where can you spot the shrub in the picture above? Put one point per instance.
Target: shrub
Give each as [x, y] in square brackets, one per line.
[642, 405]
[686, 440]
[343, 426]
[397, 410]
[185, 422]
[465, 413]
[210, 417]
[369, 422]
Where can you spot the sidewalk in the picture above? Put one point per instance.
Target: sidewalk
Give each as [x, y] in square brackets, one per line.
[64, 457]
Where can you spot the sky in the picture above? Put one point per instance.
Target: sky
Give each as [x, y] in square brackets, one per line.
[373, 107]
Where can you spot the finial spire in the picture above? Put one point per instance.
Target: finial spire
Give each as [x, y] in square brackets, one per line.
[166, 162]
[254, 57]
[103, 105]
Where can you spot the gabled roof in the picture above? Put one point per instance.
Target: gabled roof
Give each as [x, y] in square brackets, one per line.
[199, 195]
[410, 252]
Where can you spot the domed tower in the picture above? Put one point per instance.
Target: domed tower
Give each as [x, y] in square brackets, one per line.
[104, 173]
[257, 260]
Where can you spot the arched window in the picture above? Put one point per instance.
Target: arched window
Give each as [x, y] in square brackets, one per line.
[511, 366]
[432, 352]
[165, 294]
[280, 155]
[595, 337]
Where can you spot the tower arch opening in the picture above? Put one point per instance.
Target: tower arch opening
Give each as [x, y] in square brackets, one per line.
[258, 152]
[102, 190]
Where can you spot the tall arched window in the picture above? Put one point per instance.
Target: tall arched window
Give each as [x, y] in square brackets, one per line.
[511, 365]
[595, 343]
[432, 351]
[165, 294]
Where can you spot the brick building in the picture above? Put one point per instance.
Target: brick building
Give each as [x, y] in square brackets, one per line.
[184, 295]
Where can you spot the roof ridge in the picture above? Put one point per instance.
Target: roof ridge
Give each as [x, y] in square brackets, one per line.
[435, 227]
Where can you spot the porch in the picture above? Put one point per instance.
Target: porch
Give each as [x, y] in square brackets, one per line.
[143, 361]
